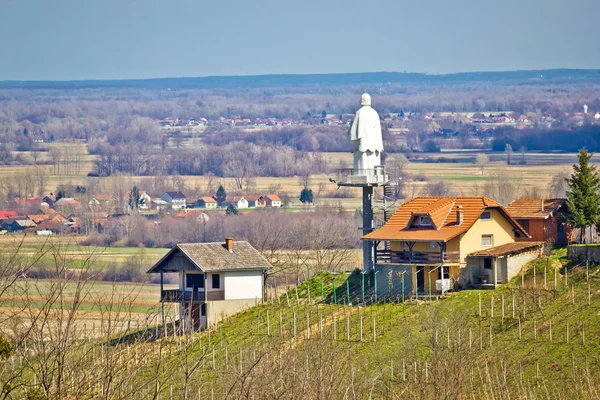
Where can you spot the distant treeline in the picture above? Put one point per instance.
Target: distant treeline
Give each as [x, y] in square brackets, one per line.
[236, 160]
[284, 80]
[562, 139]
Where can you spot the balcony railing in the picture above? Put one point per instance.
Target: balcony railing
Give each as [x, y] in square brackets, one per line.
[362, 177]
[416, 257]
[178, 296]
[215, 295]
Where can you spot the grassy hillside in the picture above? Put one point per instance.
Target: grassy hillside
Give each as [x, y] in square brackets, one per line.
[527, 339]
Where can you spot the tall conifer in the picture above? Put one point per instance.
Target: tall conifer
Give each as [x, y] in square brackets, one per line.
[583, 196]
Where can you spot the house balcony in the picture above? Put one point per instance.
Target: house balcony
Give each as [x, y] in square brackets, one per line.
[179, 296]
[362, 177]
[417, 257]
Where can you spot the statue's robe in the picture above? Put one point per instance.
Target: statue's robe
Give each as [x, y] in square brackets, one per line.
[365, 133]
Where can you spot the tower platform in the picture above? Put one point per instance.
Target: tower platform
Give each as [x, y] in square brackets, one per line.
[362, 177]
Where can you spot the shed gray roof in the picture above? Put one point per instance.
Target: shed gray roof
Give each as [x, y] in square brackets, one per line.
[208, 257]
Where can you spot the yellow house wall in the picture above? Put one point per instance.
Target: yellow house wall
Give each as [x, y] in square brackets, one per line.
[498, 226]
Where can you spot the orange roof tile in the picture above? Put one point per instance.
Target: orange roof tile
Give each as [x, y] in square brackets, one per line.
[442, 211]
[207, 199]
[37, 218]
[273, 197]
[532, 208]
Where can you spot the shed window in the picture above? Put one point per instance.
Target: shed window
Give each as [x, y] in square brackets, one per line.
[216, 282]
[194, 281]
[486, 216]
[487, 240]
[487, 263]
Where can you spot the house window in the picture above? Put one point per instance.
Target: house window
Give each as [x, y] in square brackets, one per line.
[433, 245]
[487, 263]
[216, 283]
[486, 216]
[487, 240]
[425, 221]
[194, 281]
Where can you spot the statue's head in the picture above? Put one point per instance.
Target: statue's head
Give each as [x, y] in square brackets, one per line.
[365, 100]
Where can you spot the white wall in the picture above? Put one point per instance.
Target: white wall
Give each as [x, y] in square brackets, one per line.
[243, 285]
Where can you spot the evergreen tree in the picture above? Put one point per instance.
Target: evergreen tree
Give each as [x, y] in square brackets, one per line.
[231, 210]
[134, 196]
[221, 195]
[306, 196]
[583, 196]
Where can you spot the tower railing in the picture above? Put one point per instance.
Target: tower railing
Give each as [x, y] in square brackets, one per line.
[360, 177]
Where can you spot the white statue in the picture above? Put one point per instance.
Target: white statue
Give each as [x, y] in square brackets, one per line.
[365, 134]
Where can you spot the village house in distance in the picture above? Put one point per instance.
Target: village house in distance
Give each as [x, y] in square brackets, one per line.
[216, 280]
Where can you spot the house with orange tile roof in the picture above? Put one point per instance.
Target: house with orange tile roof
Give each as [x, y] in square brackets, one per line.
[426, 243]
[206, 202]
[272, 200]
[543, 219]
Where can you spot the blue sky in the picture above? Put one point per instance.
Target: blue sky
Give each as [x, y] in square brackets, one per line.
[117, 39]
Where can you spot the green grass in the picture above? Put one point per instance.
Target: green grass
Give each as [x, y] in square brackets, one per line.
[404, 331]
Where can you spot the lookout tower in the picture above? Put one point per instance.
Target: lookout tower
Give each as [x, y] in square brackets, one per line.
[367, 173]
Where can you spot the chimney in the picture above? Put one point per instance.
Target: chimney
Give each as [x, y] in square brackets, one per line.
[542, 205]
[459, 216]
[229, 244]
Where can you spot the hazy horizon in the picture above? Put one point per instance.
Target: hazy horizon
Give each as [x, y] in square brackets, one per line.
[74, 40]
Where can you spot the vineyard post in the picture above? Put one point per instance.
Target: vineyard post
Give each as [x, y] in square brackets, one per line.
[362, 273]
[321, 325]
[334, 329]
[361, 328]
[374, 331]
[334, 291]
[348, 328]
[375, 284]
[403, 272]
[479, 298]
[268, 326]
[348, 289]
[502, 309]
[389, 286]
[546, 271]
[322, 290]
[294, 324]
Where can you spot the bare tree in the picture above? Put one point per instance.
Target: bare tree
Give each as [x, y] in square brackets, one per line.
[558, 184]
[482, 160]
